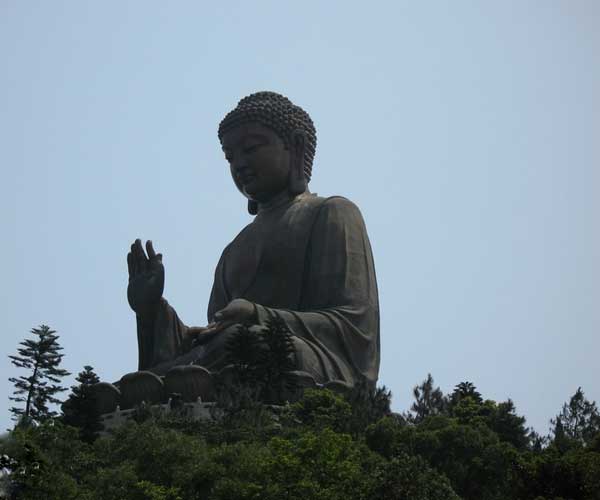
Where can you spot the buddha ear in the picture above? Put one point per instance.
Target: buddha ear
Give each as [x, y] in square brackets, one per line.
[252, 207]
[297, 180]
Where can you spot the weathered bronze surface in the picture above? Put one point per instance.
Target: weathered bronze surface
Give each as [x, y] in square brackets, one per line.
[304, 258]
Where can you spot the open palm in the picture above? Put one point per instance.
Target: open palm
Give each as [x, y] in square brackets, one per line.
[146, 279]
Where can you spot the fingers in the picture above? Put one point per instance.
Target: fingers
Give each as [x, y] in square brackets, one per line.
[139, 257]
[139, 250]
[204, 337]
[196, 330]
[223, 314]
[150, 250]
[153, 257]
[215, 328]
[203, 334]
[130, 265]
[132, 261]
[238, 310]
[230, 311]
[137, 262]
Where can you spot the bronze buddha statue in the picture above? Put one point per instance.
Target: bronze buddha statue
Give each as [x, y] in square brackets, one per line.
[304, 259]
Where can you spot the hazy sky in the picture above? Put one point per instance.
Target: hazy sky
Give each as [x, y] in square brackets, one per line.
[467, 132]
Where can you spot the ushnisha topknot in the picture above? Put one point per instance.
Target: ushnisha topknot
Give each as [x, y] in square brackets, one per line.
[278, 113]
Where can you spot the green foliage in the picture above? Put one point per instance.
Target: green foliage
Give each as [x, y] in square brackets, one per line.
[467, 405]
[321, 464]
[244, 353]
[551, 474]
[44, 461]
[368, 404]
[567, 464]
[41, 358]
[486, 451]
[465, 390]
[147, 461]
[411, 478]
[262, 361]
[79, 410]
[277, 361]
[323, 409]
[323, 446]
[501, 418]
[429, 400]
[470, 455]
[508, 426]
[577, 424]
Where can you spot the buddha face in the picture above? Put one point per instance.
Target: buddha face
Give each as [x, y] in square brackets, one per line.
[259, 162]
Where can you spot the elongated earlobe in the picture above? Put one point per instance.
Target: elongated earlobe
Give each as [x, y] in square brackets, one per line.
[297, 181]
[252, 207]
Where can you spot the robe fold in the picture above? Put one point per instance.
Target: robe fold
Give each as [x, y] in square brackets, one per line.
[309, 262]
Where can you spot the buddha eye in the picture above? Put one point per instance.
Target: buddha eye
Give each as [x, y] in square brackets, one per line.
[252, 148]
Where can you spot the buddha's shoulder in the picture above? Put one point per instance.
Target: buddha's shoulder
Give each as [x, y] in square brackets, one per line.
[332, 206]
[328, 203]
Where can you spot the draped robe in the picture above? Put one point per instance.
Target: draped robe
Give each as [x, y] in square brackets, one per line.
[307, 261]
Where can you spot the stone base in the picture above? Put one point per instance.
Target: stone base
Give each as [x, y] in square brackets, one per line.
[188, 390]
[194, 411]
[189, 383]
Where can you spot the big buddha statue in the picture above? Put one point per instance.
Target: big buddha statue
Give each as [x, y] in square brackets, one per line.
[303, 258]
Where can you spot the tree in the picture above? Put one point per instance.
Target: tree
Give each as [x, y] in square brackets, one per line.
[277, 361]
[537, 442]
[263, 359]
[41, 356]
[369, 404]
[467, 405]
[509, 426]
[321, 409]
[429, 400]
[243, 353]
[465, 390]
[411, 477]
[80, 408]
[578, 421]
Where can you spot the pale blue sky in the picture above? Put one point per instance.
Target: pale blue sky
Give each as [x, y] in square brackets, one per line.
[467, 132]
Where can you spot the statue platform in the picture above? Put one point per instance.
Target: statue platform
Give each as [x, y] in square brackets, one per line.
[188, 390]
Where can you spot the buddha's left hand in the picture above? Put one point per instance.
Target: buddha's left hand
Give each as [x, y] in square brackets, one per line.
[237, 311]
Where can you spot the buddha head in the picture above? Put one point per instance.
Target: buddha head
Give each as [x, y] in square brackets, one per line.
[270, 144]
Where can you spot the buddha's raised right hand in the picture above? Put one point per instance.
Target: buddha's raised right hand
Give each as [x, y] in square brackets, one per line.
[146, 279]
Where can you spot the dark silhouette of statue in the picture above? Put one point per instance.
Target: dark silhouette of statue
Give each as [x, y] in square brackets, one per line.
[304, 259]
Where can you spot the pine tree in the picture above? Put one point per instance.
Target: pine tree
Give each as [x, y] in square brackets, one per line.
[79, 409]
[369, 404]
[41, 356]
[243, 353]
[262, 359]
[429, 400]
[502, 418]
[277, 361]
[579, 420]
